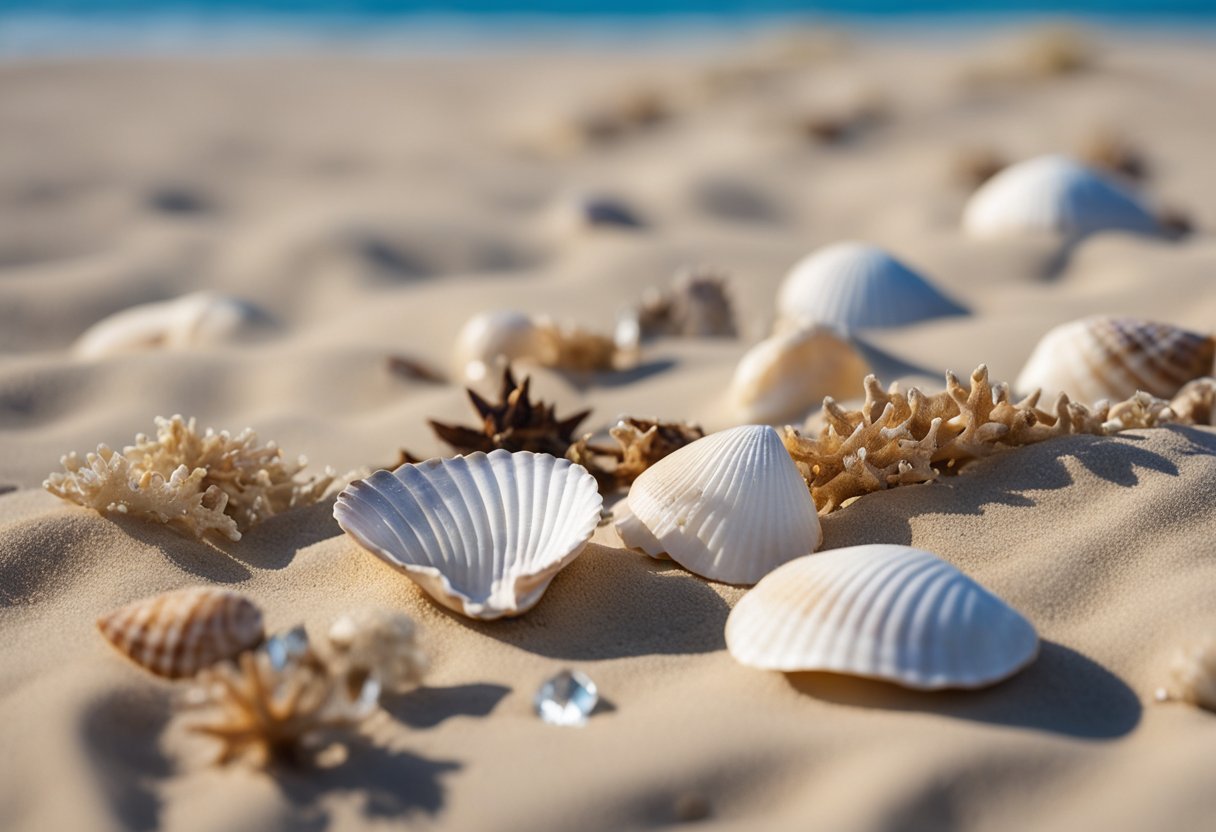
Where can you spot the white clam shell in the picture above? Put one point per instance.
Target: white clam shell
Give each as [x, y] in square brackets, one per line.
[884, 612]
[730, 507]
[785, 376]
[483, 534]
[1055, 195]
[1112, 358]
[188, 321]
[854, 286]
[490, 339]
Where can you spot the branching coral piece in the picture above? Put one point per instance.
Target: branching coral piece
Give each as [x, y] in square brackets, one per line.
[195, 482]
[640, 444]
[898, 438]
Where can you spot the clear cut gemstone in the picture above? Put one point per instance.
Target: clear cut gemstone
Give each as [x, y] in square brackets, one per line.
[567, 699]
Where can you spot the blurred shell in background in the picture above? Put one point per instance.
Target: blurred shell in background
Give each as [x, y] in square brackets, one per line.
[192, 320]
[490, 341]
[696, 305]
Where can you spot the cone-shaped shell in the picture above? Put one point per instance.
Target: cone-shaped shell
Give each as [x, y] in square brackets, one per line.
[179, 633]
[856, 286]
[884, 612]
[482, 534]
[783, 377]
[1111, 358]
[730, 507]
[1055, 195]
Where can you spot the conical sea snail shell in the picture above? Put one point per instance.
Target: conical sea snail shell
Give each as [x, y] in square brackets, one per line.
[1112, 358]
[790, 373]
[482, 534]
[179, 633]
[1055, 195]
[187, 321]
[856, 286]
[883, 612]
[730, 507]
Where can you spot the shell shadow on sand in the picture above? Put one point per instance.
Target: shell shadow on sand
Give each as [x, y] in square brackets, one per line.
[121, 732]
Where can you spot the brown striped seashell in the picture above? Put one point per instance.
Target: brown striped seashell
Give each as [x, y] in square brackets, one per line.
[179, 633]
[1113, 358]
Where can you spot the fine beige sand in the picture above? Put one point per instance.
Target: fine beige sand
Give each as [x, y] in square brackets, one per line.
[370, 205]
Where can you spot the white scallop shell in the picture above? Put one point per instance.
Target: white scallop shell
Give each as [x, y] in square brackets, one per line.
[1054, 194]
[490, 339]
[730, 507]
[1112, 358]
[188, 321]
[857, 286]
[784, 376]
[884, 612]
[483, 534]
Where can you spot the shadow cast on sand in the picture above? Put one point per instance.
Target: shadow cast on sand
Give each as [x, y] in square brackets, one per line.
[121, 733]
[1042, 697]
[203, 558]
[427, 707]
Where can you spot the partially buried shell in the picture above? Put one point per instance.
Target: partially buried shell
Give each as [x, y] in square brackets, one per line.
[854, 286]
[179, 633]
[730, 507]
[189, 321]
[785, 376]
[483, 534]
[1112, 358]
[884, 612]
[1055, 195]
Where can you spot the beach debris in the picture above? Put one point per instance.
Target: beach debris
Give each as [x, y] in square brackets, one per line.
[1195, 403]
[566, 699]
[785, 376]
[513, 423]
[1192, 676]
[611, 119]
[194, 482]
[379, 645]
[179, 633]
[1106, 150]
[413, 370]
[1102, 357]
[973, 166]
[1055, 195]
[852, 286]
[691, 507]
[192, 320]
[846, 122]
[695, 305]
[585, 212]
[492, 340]
[482, 534]
[1055, 51]
[880, 611]
[640, 443]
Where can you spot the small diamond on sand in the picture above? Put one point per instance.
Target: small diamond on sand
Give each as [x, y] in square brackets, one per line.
[567, 699]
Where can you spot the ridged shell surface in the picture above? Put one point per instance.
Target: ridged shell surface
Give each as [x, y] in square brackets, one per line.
[785, 376]
[483, 534]
[857, 286]
[730, 507]
[1111, 358]
[1055, 195]
[179, 633]
[884, 612]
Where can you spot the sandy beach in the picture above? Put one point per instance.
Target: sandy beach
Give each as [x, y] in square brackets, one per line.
[371, 205]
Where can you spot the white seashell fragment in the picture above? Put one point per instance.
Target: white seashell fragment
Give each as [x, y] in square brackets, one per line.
[730, 507]
[188, 321]
[785, 376]
[491, 339]
[883, 612]
[1113, 358]
[482, 534]
[1055, 195]
[854, 286]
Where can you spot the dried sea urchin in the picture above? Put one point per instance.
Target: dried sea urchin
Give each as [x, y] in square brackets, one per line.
[640, 444]
[194, 482]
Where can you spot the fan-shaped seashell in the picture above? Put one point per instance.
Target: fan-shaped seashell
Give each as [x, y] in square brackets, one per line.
[491, 339]
[883, 612]
[730, 507]
[179, 633]
[1056, 195]
[189, 321]
[856, 286]
[784, 376]
[1112, 358]
[482, 534]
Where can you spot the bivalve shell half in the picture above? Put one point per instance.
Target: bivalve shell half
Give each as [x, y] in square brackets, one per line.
[885, 612]
[1055, 195]
[490, 339]
[482, 534]
[730, 507]
[785, 376]
[853, 286]
[1112, 358]
[179, 633]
